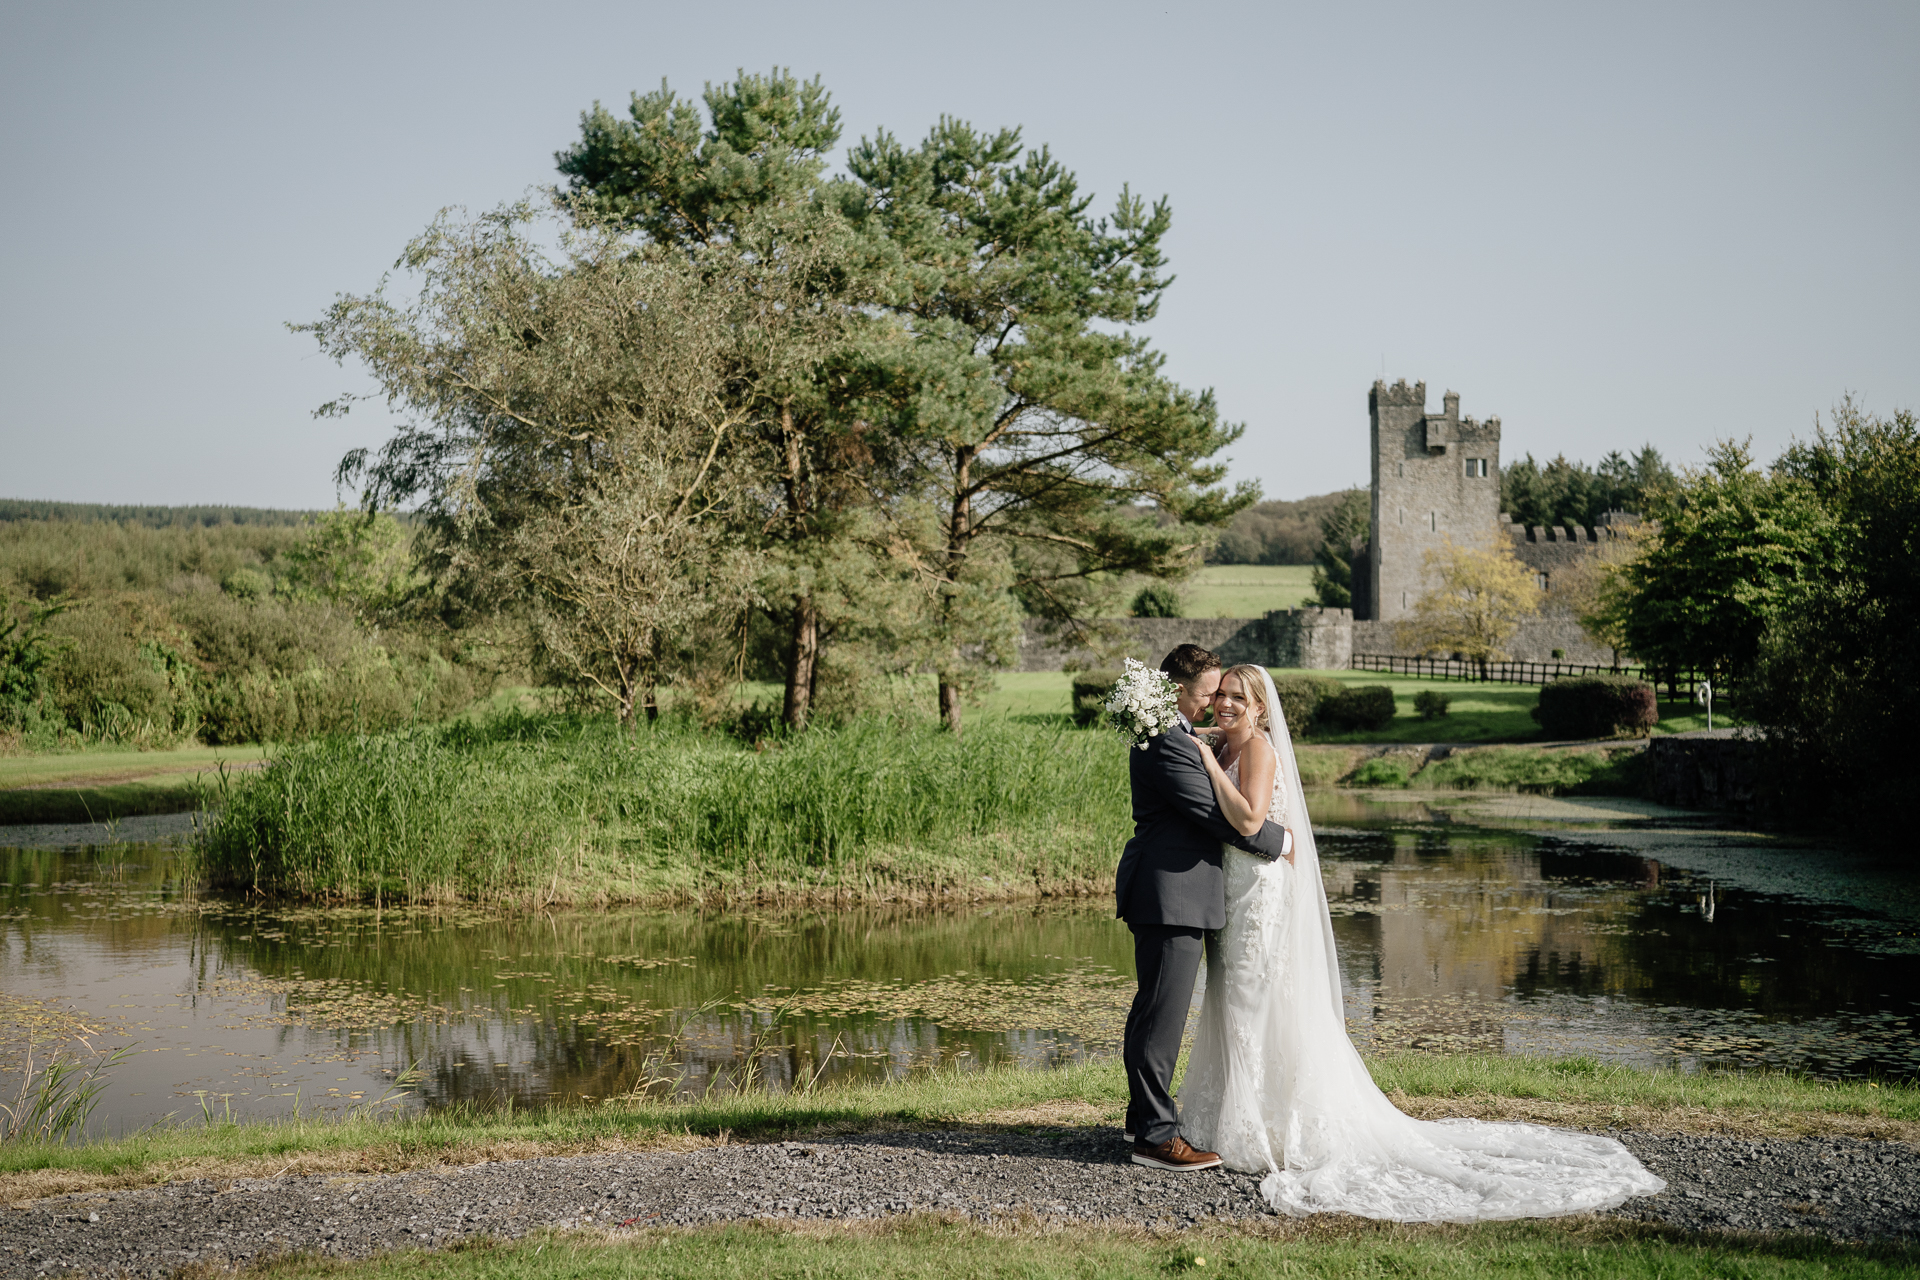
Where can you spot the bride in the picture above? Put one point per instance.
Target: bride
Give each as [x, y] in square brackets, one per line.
[1274, 1084]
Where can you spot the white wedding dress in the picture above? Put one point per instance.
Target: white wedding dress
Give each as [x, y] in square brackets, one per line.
[1275, 1085]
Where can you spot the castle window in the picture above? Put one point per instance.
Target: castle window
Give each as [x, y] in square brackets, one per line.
[1403, 600]
[1433, 521]
[1540, 580]
[1477, 467]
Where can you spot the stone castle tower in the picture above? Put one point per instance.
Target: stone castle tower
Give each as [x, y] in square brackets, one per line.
[1434, 475]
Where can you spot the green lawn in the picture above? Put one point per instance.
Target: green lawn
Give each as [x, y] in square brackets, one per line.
[1575, 1092]
[90, 786]
[1580, 1093]
[1488, 712]
[118, 766]
[1246, 590]
[939, 1247]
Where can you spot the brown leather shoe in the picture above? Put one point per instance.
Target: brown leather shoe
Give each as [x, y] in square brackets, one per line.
[1175, 1155]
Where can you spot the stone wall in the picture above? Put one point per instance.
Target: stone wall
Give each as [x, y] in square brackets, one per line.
[1550, 551]
[1316, 639]
[1150, 641]
[1536, 640]
[1707, 769]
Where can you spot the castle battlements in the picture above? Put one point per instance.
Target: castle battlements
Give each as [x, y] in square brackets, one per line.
[1399, 394]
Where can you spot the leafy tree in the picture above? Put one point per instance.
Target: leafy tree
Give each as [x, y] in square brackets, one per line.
[361, 560]
[1481, 595]
[1039, 414]
[1833, 676]
[1340, 529]
[687, 183]
[581, 424]
[26, 652]
[1595, 589]
[1730, 546]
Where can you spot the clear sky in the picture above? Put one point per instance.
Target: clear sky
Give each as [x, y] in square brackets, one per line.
[1607, 224]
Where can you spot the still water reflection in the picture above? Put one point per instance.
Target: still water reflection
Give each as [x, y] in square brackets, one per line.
[1502, 925]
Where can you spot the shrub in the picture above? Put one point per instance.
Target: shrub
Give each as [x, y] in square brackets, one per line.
[1156, 600]
[1430, 704]
[1301, 698]
[1596, 707]
[1090, 690]
[1382, 772]
[1367, 706]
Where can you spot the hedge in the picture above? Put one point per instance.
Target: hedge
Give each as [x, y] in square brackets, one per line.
[1598, 706]
[1367, 706]
[1301, 698]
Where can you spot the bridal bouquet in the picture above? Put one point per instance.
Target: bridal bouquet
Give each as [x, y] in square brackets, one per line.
[1143, 703]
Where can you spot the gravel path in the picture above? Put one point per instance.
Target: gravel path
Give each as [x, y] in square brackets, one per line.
[1838, 1187]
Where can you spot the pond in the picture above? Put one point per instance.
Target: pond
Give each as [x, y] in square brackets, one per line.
[1501, 924]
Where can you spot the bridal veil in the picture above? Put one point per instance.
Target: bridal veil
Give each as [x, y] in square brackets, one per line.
[1276, 1086]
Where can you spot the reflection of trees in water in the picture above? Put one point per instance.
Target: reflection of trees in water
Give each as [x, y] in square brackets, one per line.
[1440, 929]
[563, 1005]
[1442, 924]
[1437, 928]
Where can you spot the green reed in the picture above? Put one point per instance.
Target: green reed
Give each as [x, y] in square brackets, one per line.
[559, 808]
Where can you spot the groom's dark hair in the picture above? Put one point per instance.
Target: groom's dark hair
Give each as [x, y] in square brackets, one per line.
[1188, 663]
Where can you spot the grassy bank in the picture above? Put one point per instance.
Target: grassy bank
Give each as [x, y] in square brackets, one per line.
[96, 786]
[521, 807]
[544, 808]
[1575, 1093]
[940, 1247]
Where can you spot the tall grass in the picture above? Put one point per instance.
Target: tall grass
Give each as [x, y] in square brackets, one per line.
[526, 806]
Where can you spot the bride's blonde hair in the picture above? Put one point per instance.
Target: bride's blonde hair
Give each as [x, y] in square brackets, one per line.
[1253, 687]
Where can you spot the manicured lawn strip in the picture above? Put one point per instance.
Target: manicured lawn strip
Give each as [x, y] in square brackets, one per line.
[1486, 711]
[118, 766]
[1482, 711]
[1576, 1092]
[180, 793]
[94, 786]
[939, 1247]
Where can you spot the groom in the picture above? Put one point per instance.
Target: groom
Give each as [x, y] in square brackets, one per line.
[1170, 888]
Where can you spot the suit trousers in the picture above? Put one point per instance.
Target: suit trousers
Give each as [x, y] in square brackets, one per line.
[1167, 959]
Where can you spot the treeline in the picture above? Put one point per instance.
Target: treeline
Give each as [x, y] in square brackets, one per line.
[1277, 532]
[709, 411]
[1797, 586]
[164, 631]
[1572, 493]
[12, 509]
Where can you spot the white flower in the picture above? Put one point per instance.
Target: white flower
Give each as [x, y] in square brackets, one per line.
[1144, 702]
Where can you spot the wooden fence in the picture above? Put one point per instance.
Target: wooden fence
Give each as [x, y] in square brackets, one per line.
[1679, 684]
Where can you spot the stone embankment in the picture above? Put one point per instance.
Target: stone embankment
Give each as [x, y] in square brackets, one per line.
[1838, 1187]
[1706, 769]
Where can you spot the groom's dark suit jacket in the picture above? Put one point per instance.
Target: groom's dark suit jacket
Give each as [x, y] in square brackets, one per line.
[1170, 872]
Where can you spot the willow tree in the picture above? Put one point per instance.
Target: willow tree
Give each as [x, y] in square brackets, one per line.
[1053, 455]
[577, 420]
